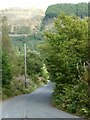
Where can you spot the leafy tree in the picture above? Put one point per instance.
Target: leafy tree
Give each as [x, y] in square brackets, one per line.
[6, 43]
[6, 54]
[6, 70]
[67, 48]
[66, 60]
[34, 63]
[35, 67]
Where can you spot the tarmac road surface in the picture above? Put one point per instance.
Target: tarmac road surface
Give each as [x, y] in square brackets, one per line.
[34, 105]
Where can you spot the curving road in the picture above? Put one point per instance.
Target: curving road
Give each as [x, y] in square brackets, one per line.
[34, 105]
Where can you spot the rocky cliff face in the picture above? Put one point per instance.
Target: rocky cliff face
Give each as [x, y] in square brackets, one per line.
[24, 17]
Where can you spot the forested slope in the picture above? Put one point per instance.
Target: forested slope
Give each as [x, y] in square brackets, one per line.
[80, 10]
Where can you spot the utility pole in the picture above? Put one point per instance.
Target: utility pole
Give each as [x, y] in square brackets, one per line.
[25, 65]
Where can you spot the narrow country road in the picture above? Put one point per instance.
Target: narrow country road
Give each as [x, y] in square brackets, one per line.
[34, 105]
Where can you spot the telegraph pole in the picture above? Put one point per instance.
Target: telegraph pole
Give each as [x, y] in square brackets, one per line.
[25, 65]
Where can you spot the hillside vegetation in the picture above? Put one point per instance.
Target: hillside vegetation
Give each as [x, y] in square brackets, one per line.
[65, 51]
[13, 79]
[57, 50]
[79, 10]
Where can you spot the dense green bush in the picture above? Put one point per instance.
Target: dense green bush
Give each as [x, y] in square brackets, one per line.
[6, 70]
[35, 67]
[72, 98]
[6, 54]
[13, 78]
[66, 56]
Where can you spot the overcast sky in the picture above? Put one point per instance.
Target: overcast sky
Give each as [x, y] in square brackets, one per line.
[43, 4]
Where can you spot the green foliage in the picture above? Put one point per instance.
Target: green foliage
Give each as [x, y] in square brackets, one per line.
[66, 54]
[13, 65]
[34, 63]
[6, 70]
[6, 54]
[6, 43]
[79, 10]
[65, 48]
[14, 83]
[22, 30]
[32, 41]
[35, 67]
[18, 66]
[45, 72]
[6, 57]
[73, 98]
[17, 87]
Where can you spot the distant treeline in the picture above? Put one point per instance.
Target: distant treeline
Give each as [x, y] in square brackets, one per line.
[79, 10]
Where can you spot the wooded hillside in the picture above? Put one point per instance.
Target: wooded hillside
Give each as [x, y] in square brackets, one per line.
[79, 10]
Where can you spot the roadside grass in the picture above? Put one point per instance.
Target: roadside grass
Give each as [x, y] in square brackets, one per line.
[17, 87]
[73, 99]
